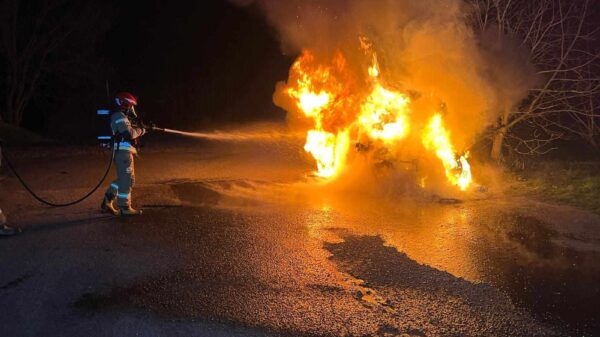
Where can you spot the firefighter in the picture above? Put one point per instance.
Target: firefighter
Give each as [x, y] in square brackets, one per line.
[125, 140]
[5, 230]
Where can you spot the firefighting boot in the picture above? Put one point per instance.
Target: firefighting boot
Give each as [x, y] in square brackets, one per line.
[107, 205]
[8, 231]
[129, 211]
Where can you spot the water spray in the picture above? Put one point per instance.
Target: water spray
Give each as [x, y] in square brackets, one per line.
[231, 136]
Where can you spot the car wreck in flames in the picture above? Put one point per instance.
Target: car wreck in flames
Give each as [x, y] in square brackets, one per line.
[346, 112]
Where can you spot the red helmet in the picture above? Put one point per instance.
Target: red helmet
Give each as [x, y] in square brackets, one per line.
[125, 100]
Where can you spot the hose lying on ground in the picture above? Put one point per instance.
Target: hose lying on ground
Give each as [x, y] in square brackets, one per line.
[52, 204]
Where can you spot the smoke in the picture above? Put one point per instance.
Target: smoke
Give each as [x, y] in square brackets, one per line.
[424, 47]
[507, 67]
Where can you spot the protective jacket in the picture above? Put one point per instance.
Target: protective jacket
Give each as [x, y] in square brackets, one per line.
[125, 134]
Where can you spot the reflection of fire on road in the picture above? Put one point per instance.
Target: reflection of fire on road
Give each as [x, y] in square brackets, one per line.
[346, 109]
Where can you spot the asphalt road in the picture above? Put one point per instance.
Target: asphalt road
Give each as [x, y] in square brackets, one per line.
[236, 240]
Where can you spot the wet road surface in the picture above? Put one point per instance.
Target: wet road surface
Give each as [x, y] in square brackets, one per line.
[243, 244]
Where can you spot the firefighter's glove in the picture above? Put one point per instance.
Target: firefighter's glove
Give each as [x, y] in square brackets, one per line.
[148, 128]
[151, 127]
[144, 127]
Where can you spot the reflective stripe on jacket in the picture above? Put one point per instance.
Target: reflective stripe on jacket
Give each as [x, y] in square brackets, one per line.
[120, 124]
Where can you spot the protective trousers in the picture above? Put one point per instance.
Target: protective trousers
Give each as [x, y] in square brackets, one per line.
[121, 188]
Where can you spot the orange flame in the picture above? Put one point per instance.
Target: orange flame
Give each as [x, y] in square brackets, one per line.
[325, 95]
[314, 95]
[384, 113]
[437, 138]
[329, 150]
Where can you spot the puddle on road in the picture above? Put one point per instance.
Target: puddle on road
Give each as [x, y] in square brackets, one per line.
[517, 254]
[399, 282]
[556, 282]
[477, 241]
[530, 234]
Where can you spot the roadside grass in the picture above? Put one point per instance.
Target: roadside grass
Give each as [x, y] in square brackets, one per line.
[573, 183]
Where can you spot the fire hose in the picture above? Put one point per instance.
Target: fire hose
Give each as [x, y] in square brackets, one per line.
[53, 204]
[79, 200]
[105, 175]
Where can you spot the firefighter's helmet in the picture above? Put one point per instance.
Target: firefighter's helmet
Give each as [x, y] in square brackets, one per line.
[125, 100]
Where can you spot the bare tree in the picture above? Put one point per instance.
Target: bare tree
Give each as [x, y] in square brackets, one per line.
[31, 33]
[556, 34]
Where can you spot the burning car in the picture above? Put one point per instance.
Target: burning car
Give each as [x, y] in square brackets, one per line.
[349, 113]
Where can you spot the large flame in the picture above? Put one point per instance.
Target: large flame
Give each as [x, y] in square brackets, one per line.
[384, 113]
[314, 91]
[437, 138]
[343, 114]
[329, 150]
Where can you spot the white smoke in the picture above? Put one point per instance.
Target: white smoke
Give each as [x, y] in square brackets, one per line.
[425, 48]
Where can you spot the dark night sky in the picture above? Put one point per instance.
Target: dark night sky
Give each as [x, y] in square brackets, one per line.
[201, 62]
[192, 64]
